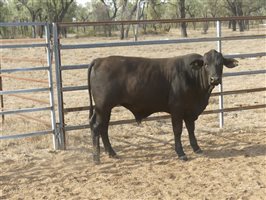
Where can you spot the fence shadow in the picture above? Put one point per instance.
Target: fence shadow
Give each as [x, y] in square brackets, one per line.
[229, 152]
[234, 147]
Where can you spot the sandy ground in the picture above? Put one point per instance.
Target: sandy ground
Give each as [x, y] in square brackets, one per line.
[232, 166]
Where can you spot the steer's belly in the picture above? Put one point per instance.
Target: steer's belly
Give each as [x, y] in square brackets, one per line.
[141, 111]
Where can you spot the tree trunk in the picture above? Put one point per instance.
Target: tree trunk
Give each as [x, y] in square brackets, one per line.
[235, 6]
[127, 31]
[233, 25]
[241, 25]
[239, 12]
[247, 24]
[122, 28]
[205, 28]
[122, 32]
[183, 25]
[34, 31]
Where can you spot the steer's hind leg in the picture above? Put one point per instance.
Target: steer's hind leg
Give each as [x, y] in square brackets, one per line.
[99, 126]
[190, 124]
[104, 134]
[95, 136]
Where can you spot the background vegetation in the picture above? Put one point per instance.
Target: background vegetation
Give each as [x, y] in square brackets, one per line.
[113, 10]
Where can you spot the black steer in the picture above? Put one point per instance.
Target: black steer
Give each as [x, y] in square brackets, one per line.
[180, 86]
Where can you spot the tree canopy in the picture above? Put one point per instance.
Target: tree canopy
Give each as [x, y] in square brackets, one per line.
[108, 10]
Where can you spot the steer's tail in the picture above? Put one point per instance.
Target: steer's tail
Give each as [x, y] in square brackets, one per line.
[89, 85]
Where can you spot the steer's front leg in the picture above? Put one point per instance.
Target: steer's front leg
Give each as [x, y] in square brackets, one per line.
[177, 124]
[190, 124]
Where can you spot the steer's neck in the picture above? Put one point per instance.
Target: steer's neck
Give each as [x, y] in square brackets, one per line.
[203, 81]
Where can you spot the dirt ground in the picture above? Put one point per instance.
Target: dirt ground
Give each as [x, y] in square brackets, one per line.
[232, 166]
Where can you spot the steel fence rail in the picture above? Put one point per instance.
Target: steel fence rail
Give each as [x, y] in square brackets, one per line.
[24, 91]
[16, 46]
[246, 55]
[85, 108]
[159, 21]
[226, 74]
[70, 67]
[242, 55]
[24, 135]
[22, 40]
[243, 73]
[74, 88]
[158, 42]
[164, 117]
[12, 24]
[25, 110]
[239, 91]
[24, 69]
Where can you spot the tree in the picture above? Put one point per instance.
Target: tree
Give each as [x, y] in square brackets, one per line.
[180, 12]
[34, 10]
[122, 29]
[56, 11]
[130, 10]
[111, 12]
[235, 6]
[193, 9]
[183, 25]
[3, 17]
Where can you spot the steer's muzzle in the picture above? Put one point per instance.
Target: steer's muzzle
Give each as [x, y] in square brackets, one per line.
[215, 80]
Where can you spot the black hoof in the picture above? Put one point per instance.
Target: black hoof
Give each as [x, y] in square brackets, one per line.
[96, 159]
[198, 151]
[113, 155]
[183, 158]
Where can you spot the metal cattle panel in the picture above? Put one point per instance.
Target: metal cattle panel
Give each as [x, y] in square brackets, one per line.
[48, 69]
[218, 39]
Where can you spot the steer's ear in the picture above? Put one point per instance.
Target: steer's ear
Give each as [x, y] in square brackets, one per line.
[197, 64]
[230, 62]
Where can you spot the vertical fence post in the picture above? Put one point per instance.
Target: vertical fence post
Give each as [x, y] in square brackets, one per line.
[2, 97]
[50, 79]
[60, 132]
[219, 49]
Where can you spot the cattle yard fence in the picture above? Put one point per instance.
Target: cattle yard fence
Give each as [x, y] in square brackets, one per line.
[59, 128]
[5, 72]
[218, 39]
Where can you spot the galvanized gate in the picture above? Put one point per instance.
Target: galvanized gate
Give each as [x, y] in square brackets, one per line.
[48, 68]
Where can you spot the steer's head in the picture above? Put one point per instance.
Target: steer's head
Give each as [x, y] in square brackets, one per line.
[213, 62]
